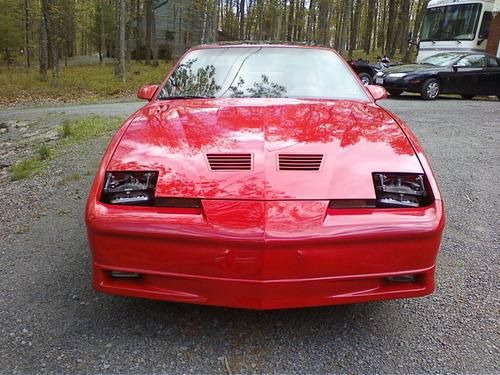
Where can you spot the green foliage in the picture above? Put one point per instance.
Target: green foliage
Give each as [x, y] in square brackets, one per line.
[11, 31]
[44, 152]
[77, 131]
[66, 129]
[77, 83]
[25, 168]
[84, 129]
[72, 177]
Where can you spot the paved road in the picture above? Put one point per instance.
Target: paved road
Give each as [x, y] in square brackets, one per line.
[51, 321]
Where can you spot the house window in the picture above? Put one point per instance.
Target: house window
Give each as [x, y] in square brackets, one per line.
[169, 35]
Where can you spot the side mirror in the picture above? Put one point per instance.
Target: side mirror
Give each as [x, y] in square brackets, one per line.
[147, 92]
[378, 92]
[456, 66]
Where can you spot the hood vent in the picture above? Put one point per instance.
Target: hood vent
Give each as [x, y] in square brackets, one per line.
[300, 162]
[230, 162]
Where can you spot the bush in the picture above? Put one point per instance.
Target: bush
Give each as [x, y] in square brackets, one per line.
[44, 152]
[66, 129]
[25, 169]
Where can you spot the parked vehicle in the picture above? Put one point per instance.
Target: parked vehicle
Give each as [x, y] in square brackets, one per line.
[468, 74]
[460, 26]
[250, 183]
[366, 71]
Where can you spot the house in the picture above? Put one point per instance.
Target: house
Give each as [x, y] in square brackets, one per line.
[179, 25]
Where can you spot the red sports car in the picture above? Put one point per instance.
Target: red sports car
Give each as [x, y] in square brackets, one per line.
[264, 177]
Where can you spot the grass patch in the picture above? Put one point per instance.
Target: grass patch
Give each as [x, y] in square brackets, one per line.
[72, 132]
[85, 83]
[66, 129]
[66, 180]
[26, 168]
[81, 130]
[44, 152]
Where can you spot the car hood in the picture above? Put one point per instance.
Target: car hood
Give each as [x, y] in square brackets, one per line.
[415, 68]
[180, 138]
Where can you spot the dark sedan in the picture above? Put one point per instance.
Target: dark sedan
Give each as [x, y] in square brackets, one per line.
[465, 73]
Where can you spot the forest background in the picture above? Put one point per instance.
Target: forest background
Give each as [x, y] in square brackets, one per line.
[88, 50]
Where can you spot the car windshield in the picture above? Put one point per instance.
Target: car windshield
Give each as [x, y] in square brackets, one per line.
[262, 72]
[442, 59]
[451, 22]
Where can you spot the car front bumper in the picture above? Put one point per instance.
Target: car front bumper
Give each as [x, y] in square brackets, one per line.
[352, 258]
[402, 84]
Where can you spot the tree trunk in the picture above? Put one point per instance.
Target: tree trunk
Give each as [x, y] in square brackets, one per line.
[27, 62]
[51, 35]
[260, 19]
[419, 19]
[123, 48]
[148, 10]
[391, 36]
[383, 23]
[138, 39]
[291, 21]
[300, 21]
[311, 17]
[323, 11]
[283, 28]
[375, 24]
[275, 22]
[242, 19]
[215, 27]
[345, 27]
[355, 27]
[154, 44]
[404, 20]
[102, 35]
[369, 26]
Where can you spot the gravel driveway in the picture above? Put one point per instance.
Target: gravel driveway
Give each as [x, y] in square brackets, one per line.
[51, 321]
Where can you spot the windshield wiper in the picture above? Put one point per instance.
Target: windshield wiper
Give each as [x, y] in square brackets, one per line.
[186, 97]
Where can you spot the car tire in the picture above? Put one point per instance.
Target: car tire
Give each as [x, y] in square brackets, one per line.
[365, 78]
[395, 92]
[468, 96]
[430, 89]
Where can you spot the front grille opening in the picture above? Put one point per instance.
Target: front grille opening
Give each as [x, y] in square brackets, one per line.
[300, 162]
[177, 202]
[230, 162]
[124, 275]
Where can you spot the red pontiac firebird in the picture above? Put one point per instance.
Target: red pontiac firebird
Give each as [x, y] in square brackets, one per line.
[264, 177]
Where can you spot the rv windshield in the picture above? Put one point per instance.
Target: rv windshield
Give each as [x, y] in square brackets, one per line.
[451, 22]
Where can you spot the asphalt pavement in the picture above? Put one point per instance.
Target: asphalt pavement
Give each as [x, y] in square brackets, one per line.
[51, 321]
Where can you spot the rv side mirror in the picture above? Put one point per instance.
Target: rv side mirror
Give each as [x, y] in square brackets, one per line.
[457, 66]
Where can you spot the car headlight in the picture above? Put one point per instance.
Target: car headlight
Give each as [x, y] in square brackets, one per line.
[397, 75]
[129, 188]
[400, 190]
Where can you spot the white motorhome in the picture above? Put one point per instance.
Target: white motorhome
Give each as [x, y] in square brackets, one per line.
[459, 25]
